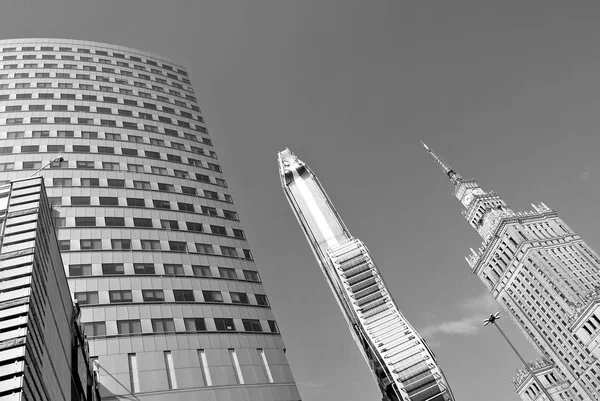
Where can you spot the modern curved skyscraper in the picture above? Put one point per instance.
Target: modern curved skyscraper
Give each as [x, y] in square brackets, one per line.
[402, 363]
[171, 298]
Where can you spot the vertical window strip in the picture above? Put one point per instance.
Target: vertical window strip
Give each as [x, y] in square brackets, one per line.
[204, 368]
[134, 377]
[236, 365]
[263, 357]
[171, 378]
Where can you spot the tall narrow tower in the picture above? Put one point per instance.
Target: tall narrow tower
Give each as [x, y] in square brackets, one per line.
[402, 363]
[548, 280]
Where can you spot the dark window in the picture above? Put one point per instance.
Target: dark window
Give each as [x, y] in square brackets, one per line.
[229, 251]
[160, 204]
[121, 244]
[120, 296]
[142, 222]
[262, 299]
[205, 248]
[129, 152]
[174, 158]
[85, 221]
[94, 329]
[211, 194]
[162, 325]
[211, 211]
[238, 233]
[61, 182]
[187, 207]
[247, 254]
[115, 183]
[218, 230]
[89, 244]
[83, 149]
[80, 270]
[252, 325]
[212, 296]
[273, 326]
[195, 324]
[113, 268]
[192, 226]
[201, 271]
[137, 202]
[251, 275]
[30, 149]
[150, 245]
[224, 324]
[169, 224]
[86, 298]
[204, 178]
[109, 201]
[129, 326]
[114, 221]
[184, 295]
[227, 272]
[174, 270]
[153, 295]
[84, 164]
[239, 298]
[144, 268]
[141, 184]
[64, 245]
[106, 149]
[166, 187]
[152, 155]
[80, 200]
[177, 246]
[188, 190]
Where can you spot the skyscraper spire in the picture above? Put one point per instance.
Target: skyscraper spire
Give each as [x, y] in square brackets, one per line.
[401, 362]
[454, 177]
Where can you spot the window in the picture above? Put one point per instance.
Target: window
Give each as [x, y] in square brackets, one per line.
[166, 187]
[115, 183]
[273, 326]
[112, 137]
[228, 198]
[30, 149]
[83, 121]
[228, 214]
[129, 152]
[162, 325]
[192, 226]
[221, 182]
[218, 230]
[184, 295]
[110, 166]
[91, 98]
[158, 170]
[108, 123]
[174, 270]
[80, 270]
[150, 245]
[107, 200]
[203, 178]
[177, 246]
[31, 165]
[188, 190]
[251, 275]
[152, 155]
[94, 329]
[82, 163]
[86, 298]
[15, 135]
[83, 149]
[262, 299]
[80, 200]
[106, 149]
[227, 272]
[252, 325]
[129, 125]
[61, 182]
[238, 233]
[129, 326]
[113, 268]
[121, 244]
[247, 254]
[201, 271]
[214, 167]
[209, 210]
[85, 222]
[224, 324]
[136, 202]
[205, 248]
[161, 204]
[239, 298]
[135, 138]
[142, 222]
[141, 184]
[181, 174]
[153, 296]
[195, 324]
[212, 296]
[90, 244]
[62, 120]
[114, 222]
[169, 224]
[12, 108]
[229, 251]
[64, 245]
[120, 296]
[65, 134]
[173, 158]
[178, 146]
[143, 268]
[7, 166]
[104, 110]
[89, 134]
[186, 207]
[10, 121]
[211, 194]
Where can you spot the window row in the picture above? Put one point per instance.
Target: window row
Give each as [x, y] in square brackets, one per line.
[143, 222]
[169, 269]
[116, 55]
[107, 136]
[154, 295]
[107, 110]
[109, 123]
[157, 245]
[104, 88]
[168, 325]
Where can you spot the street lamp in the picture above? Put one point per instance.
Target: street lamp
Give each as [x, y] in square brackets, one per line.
[493, 321]
[58, 159]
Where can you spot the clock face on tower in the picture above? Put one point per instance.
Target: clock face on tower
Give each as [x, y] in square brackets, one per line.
[478, 191]
[467, 199]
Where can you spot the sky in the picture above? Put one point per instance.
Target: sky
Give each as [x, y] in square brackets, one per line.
[506, 92]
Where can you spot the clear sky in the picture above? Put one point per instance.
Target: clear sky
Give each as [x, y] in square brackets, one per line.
[507, 92]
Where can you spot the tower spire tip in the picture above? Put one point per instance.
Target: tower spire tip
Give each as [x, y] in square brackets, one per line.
[426, 147]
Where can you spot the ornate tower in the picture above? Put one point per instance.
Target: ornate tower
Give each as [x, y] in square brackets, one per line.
[547, 278]
[402, 363]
